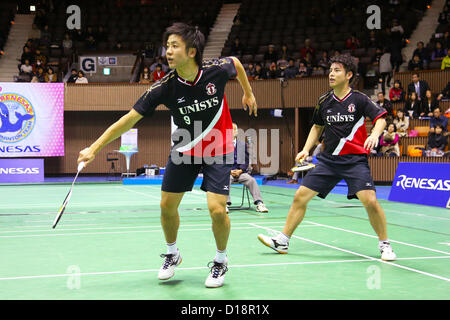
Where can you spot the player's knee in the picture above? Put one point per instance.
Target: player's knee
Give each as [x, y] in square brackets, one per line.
[301, 198]
[217, 211]
[167, 206]
[370, 202]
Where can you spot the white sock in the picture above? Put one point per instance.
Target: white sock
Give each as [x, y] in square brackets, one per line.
[172, 248]
[282, 238]
[220, 256]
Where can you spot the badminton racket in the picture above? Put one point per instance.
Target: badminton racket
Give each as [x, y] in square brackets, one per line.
[67, 198]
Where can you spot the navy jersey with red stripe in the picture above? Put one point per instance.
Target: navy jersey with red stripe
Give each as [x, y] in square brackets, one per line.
[198, 108]
[345, 131]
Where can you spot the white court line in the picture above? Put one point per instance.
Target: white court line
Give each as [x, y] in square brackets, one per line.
[396, 211]
[360, 255]
[372, 236]
[113, 232]
[199, 268]
[144, 194]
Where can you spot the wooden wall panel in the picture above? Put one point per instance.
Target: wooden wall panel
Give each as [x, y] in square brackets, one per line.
[436, 79]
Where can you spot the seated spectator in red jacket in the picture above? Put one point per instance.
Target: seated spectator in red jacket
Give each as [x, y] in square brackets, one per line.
[389, 142]
[437, 141]
[352, 43]
[158, 73]
[307, 48]
[396, 94]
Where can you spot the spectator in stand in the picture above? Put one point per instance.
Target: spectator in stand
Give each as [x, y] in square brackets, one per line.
[352, 43]
[291, 71]
[437, 141]
[237, 49]
[309, 62]
[271, 55]
[395, 38]
[149, 50]
[81, 78]
[307, 48]
[160, 61]
[428, 105]
[45, 37]
[386, 104]
[250, 71]
[158, 73]
[91, 44]
[302, 71]
[35, 33]
[89, 32]
[372, 41]
[446, 61]
[78, 35]
[444, 16]
[412, 106]
[260, 74]
[282, 62]
[389, 142]
[396, 27]
[39, 76]
[422, 52]
[419, 86]
[274, 72]
[26, 68]
[445, 94]
[101, 35]
[385, 70]
[438, 53]
[67, 45]
[401, 123]
[415, 64]
[446, 40]
[438, 119]
[73, 76]
[145, 76]
[324, 61]
[27, 55]
[50, 76]
[396, 93]
[118, 46]
[40, 56]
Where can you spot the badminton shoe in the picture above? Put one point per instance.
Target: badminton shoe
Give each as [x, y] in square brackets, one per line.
[260, 207]
[168, 268]
[387, 254]
[274, 243]
[217, 274]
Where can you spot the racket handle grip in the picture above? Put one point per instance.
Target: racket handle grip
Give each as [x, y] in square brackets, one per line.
[81, 166]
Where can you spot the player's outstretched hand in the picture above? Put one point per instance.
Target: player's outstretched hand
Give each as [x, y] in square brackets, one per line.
[250, 102]
[370, 143]
[301, 155]
[86, 155]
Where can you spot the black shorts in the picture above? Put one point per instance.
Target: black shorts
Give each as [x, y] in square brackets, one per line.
[181, 177]
[327, 173]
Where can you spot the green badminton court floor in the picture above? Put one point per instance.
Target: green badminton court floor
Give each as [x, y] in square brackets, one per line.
[108, 242]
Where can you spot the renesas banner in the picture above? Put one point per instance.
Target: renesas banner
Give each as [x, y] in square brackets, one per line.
[422, 183]
[21, 170]
[31, 119]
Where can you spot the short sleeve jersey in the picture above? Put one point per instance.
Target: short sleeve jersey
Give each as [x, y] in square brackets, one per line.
[344, 121]
[198, 108]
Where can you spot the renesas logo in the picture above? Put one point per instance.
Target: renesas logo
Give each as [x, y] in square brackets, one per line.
[19, 149]
[19, 171]
[423, 183]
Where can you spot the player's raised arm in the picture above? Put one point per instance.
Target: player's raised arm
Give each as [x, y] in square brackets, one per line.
[248, 99]
[112, 133]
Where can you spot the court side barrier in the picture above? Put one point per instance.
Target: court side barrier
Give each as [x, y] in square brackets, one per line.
[422, 183]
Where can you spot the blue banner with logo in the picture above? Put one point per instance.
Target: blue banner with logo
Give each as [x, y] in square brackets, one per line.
[422, 183]
[21, 170]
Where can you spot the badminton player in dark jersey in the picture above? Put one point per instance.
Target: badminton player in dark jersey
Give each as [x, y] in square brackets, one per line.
[194, 93]
[340, 115]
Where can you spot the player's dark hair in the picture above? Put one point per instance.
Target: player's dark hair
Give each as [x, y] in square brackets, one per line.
[192, 37]
[349, 63]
